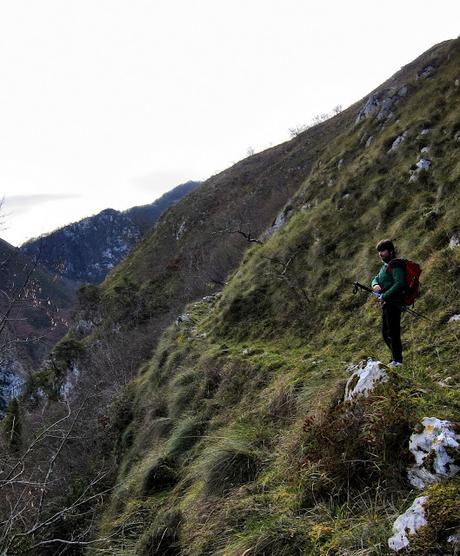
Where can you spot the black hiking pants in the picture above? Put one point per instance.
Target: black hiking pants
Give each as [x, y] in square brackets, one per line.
[391, 329]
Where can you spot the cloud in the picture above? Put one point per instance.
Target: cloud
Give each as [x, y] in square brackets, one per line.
[19, 204]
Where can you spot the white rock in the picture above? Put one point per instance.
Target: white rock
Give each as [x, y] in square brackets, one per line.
[455, 540]
[423, 164]
[425, 131]
[397, 142]
[457, 82]
[403, 91]
[432, 462]
[364, 379]
[369, 141]
[66, 389]
[279, 222]
[407, 524]
[454, 242]
[455, 318]
[385, 107]
[340, 164]
[181, 231]
[369, 108]
[425, 150]
[182, 318]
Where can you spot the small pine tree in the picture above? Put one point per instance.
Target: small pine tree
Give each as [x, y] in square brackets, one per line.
[12, 425]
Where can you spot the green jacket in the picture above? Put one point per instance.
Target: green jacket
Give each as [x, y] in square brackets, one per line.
[392, 283]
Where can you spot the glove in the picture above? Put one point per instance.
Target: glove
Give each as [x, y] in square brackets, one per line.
[378, 295]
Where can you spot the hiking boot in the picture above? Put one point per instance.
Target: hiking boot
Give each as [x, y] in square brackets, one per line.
[394, 364]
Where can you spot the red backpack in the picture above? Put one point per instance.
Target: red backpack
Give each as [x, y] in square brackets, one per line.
[412, 273]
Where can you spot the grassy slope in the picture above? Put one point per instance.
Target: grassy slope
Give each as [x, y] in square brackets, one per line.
[233, 440]
[194, 246]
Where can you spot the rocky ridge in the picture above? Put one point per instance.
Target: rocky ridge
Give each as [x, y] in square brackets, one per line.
[87, 250]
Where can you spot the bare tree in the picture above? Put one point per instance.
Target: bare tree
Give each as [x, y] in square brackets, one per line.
[298, 129]
[282, 269]
[30, 480]
[319, 118]
[337, 109]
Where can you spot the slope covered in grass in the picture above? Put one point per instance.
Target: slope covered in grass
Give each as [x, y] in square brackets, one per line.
[235, 438]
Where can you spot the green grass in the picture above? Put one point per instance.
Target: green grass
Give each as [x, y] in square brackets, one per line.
[260, 455]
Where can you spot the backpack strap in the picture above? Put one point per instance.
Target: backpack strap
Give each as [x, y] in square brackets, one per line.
[396, 263]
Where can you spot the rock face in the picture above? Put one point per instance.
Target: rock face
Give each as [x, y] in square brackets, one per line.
[279, 222]
[34, 307]
[426, 72]
[364, 379]
[434, 450]
[381, 104]
[407, 525]
[397, 142]
[87, 250]
[12, 381]
[369, 108]
[71, 379]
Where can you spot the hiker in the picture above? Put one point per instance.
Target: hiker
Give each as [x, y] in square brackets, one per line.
[388, 286]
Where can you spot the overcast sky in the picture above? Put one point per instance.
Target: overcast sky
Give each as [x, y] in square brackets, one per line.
[110, 103]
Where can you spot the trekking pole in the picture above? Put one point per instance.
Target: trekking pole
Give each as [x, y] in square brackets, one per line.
[357, 286]
[416, 313]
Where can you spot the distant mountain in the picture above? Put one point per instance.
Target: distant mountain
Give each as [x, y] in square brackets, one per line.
[85, 251]
[34, 314]
[145, 216]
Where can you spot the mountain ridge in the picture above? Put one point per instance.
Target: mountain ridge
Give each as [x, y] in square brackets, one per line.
[226, 359]
[86, 250]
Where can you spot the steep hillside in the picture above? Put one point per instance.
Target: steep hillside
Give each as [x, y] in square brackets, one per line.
[234, 436]
[34, 309]
[237, 436]
[188, 254]
[87, 250]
